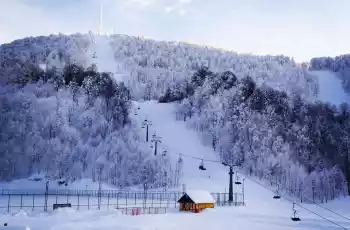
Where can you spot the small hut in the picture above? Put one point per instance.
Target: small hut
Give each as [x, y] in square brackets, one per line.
[196, 201]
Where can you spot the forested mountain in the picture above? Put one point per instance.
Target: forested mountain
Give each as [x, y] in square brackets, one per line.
[151, 66]
[283, 139]
[73, 123]
[59, 115]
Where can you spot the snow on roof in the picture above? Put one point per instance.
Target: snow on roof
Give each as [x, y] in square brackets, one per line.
[200, 196]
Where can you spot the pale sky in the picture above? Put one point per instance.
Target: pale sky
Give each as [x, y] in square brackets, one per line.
[298, 28]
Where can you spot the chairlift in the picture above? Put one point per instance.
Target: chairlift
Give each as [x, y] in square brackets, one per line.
[295, 216]
[180, 158]
[224, 163]
[164, 153]
[201, 166]
[237, 180]
[138, 108]
[277, 195]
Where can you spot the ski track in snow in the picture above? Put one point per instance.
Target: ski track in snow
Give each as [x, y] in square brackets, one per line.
[105, 60]
[330, 88]
[261, 211]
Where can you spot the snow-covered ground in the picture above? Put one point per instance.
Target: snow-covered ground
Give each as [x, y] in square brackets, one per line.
[330, 88]
[104, 57]
[260, 212]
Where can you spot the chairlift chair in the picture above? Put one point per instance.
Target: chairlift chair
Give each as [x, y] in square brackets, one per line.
[277, 195]
[295, 216]
[201, 166]
[237, 180]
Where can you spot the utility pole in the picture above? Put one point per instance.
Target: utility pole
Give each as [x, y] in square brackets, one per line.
[230, 190]
[46, 194]
[156, 140]
[99, 189]
[145, 124]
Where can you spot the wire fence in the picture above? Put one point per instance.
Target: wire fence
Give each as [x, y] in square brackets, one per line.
[15, 200]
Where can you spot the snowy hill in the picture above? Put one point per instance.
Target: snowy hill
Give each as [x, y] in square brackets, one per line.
[260, 212]
[54, 92]
[148, 66]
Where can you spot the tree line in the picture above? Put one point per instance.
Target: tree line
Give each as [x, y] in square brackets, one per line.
[284, 139]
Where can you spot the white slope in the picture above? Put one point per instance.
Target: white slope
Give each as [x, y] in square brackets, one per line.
[260, 213]
[104, 57]
[177, 138]
[330, 88]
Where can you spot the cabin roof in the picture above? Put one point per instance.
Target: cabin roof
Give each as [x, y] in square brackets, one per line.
[199, 196]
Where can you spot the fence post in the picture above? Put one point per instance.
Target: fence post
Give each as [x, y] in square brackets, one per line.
[21, 201]
[78, 202]
[89, 202]
[160, 199]
[8, 203]
[152, 199]
[126, 199]
[243, 192]
[67, 197]
[135, 198]
[235, 199]
[117, 199]
[33, 202]
[108, 201]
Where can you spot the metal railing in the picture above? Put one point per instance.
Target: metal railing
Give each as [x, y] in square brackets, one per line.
[30, 200]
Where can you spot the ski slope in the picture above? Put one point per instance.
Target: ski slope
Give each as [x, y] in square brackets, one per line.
[104, 57]
[260, 213]
[330, 88]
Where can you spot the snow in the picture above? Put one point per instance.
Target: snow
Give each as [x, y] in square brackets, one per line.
[261, 211]
[330, 87]
[15, 227]
[200, 196]
[105, 59]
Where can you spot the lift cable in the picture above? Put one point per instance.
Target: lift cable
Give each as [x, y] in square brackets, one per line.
[321, 206]
[281, 187]
[301, 206]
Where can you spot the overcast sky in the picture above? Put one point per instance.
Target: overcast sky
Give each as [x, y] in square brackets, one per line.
[298, 28]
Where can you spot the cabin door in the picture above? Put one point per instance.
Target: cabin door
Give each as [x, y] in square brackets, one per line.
[187, 206]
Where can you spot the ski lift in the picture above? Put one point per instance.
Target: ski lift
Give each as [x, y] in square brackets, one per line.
[94, 55]
[138, 108]
[201, 166]
[295, 216]
[277, 195]
[164, 153]
[237, 179]
[180, 158]
[224, 163]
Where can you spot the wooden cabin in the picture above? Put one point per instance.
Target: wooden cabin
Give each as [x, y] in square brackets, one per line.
[196, 201]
